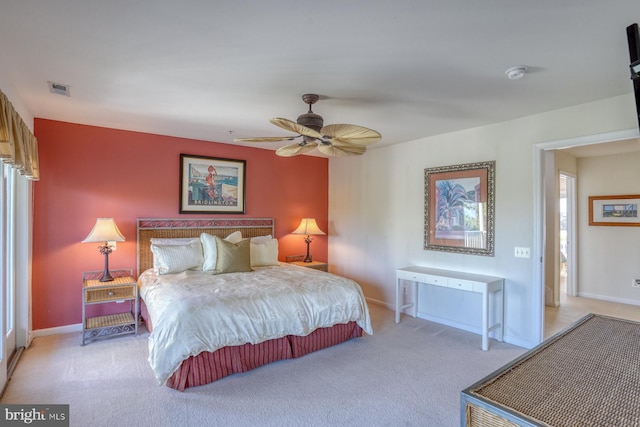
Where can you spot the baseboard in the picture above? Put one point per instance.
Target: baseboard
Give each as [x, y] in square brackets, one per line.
[381, 303]
[476, 330]
[609, 299]
[452, 323]
[58, 330]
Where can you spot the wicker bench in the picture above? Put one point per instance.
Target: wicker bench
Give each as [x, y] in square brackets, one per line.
[587, 375]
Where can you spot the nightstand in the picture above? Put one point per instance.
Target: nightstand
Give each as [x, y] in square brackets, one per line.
[123, 288]
[317, 265]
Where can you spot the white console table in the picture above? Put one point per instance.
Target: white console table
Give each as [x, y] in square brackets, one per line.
[485, 285]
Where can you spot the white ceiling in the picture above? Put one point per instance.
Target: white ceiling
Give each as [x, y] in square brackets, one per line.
[406, 68]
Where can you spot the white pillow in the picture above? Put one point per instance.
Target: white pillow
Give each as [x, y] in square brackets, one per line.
[235, 237]
[264, 253]
[177, 258]
[177, 241]
[261, 240]
[210, 250]
[166, 241]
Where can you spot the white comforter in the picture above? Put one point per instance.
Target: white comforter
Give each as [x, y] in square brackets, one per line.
[194, 312]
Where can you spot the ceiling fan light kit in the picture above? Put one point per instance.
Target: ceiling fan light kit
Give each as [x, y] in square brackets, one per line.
[336, 140]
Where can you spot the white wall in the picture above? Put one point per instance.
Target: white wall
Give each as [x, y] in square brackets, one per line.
[376, 207]
[609, 257]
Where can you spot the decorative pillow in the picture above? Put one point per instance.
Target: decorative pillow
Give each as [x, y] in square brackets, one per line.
[261, 239]
[265, 253]
[210, 250]
[233, 257]
[177, 241]
[234, 237]
[177, 258]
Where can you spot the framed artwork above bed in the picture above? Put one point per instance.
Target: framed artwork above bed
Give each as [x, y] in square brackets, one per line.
[211, 185]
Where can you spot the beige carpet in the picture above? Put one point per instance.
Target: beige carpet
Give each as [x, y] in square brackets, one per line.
[409, 374]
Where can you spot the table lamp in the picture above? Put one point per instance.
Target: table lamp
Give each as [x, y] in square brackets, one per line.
[105, 231]
[309, 227]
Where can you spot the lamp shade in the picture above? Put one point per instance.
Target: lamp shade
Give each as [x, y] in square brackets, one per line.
[105, 230]
[308, 226]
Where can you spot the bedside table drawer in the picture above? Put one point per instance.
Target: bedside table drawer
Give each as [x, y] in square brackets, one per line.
[111, 294]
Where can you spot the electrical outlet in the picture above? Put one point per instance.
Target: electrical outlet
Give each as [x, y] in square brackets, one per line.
[522, 252]
[635, 283]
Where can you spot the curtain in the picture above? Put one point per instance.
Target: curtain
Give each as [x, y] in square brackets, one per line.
[18, 146]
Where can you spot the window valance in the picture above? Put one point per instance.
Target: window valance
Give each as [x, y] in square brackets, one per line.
[18, 146]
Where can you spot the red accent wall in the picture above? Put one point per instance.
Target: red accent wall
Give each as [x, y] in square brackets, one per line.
[89, 172]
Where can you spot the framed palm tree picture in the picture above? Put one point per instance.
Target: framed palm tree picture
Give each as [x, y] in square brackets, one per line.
[459, 208]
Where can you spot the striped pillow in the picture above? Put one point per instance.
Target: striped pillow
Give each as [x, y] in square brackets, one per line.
[177, 258]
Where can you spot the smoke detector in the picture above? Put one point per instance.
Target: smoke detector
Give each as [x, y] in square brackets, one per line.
[515, 73]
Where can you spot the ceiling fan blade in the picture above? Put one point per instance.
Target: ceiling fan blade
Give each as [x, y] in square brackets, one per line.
[295, 127]
[351, 134]
[295, 149]
[342, 150]
[266, 139]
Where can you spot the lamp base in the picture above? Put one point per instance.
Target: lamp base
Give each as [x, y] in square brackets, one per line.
[106, 250]
[106, 277]
[308, 257]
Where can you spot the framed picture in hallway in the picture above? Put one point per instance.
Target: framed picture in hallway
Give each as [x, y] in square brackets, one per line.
[211, 185]
[614, 210]
[459, 208]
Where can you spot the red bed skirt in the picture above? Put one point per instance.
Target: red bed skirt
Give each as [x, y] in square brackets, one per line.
[207, 367]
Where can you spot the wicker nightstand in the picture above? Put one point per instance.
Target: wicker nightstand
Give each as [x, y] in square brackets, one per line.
[317, 265]
[122, 288]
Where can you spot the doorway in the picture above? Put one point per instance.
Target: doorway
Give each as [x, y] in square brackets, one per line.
[567, 234]
[539, 227]
[15, 263]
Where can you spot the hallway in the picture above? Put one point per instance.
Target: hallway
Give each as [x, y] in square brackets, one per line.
[573, 308]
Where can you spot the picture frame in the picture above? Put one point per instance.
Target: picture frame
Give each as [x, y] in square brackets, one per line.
[619, 210]
[212, 185]
[459, 208]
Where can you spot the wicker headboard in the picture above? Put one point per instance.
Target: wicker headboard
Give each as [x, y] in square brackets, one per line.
[149, 228]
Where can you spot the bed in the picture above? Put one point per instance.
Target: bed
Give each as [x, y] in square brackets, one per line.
[214, 316]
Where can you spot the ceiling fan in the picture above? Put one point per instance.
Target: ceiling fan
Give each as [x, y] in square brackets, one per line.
[331, 140]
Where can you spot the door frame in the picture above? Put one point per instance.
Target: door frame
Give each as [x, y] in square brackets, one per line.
[539, 225]
[16, 231]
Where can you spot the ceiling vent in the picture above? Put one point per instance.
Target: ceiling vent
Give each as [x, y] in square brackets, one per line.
[59, 89]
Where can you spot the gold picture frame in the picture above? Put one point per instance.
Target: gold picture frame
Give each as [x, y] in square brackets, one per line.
[459, 208]
[621, 210]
